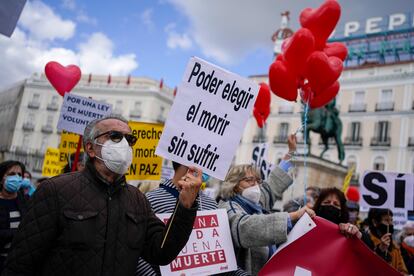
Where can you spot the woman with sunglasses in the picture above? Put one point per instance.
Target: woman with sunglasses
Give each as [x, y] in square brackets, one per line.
[255, 229]
[12, 204]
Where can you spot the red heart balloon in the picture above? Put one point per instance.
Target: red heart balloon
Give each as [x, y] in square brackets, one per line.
[321, 21]
[298, 49]
[262, 105]
[261, 116]
[283, 81]
[263, 98]
[63, 79]
[320, 99]
[280, 57]
[322, 71]
[336, 49]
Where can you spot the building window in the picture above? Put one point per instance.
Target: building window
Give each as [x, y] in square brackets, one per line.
[386, 95]
[385, 103]
[36, 98]
[359, 97]
[118, 104]
[44, 143]
[382, 131]
[379, 163]
[55, 100]
[49, 121]
[358, 104]
[284, 130]
[355, 131]
[161, 117]
[30, 118]
[26, 140]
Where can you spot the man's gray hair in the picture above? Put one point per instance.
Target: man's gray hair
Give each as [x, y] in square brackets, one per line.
[91, 131]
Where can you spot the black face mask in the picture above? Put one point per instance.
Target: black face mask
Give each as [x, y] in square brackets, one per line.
[382, 228]
[330, 213]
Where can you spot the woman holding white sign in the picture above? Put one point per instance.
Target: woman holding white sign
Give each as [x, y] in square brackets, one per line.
[256, 231]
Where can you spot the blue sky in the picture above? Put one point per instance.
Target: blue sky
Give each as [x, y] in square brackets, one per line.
[157, 38]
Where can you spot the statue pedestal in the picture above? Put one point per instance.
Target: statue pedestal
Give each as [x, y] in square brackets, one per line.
[319, 172]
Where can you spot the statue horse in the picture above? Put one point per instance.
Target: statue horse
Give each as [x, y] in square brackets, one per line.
[326, 122]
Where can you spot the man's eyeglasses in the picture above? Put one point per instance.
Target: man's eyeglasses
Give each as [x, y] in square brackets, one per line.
[116, 136]
[252, 179]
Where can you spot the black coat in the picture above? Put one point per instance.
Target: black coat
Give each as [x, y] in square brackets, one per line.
[79, 224]
[7, 233]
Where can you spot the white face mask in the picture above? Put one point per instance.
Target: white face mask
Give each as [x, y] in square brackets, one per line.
[117, 157]
[252, 193]
[409, 240]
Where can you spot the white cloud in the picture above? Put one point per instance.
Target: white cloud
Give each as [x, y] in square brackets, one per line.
[83, 17]
[146, 19]
[229, 30]
[176, 40]
[43, 24]
[69, 4]
[96, 56]
[26, 52]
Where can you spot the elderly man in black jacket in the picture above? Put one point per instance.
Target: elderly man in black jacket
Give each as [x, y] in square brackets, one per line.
[94, 223]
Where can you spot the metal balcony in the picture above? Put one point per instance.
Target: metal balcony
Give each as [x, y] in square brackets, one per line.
[357, 107]
[380, 142]
[33, 105]
[280, 139]
[52, 107]
[259, 139]
[384, 106]
[353, 141]
[48, 129]
[135, 114]
[286, 109]
[28, 126]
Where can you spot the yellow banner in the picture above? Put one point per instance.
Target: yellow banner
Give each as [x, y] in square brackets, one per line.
[51, 166]
[68, 144]
[347, 179]
[145, 164]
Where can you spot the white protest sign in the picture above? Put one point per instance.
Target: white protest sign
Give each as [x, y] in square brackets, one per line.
[399, 218]
[209, 249]
[302, 226]
[387, 190]
[208, 117]
[78, 111]
[259, 155]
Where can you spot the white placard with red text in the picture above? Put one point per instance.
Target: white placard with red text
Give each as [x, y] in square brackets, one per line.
[209, 249]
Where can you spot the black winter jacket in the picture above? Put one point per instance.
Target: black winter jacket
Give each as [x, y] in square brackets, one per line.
[79, 224]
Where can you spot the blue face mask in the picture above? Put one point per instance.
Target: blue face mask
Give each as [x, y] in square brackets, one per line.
[205, 177]
[13, 183]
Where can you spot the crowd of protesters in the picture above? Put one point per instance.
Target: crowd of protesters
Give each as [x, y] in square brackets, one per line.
[89, 221]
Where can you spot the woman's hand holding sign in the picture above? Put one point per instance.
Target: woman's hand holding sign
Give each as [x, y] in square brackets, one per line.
[189, 185]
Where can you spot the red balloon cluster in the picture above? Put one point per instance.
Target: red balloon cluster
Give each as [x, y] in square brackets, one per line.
[261, 109]
[308, 62]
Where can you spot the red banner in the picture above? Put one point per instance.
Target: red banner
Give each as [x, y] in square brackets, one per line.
[325, 251]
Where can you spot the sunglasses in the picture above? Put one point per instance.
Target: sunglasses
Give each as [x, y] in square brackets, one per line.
[116, 136]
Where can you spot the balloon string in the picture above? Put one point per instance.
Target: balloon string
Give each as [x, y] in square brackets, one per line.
[305, 119]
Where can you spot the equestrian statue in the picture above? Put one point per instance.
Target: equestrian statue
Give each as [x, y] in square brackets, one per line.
[326, 122]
